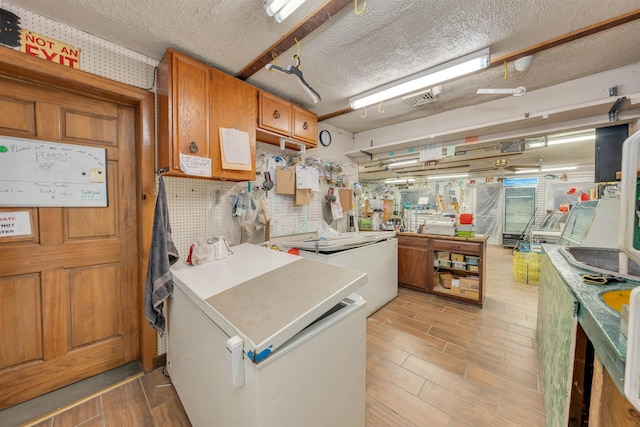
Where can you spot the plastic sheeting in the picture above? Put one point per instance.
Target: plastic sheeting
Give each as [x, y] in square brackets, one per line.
[488, 210]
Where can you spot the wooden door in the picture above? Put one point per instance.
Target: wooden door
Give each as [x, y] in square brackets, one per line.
[69, 292]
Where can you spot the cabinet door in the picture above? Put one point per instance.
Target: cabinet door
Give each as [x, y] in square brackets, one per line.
[305, 126]
[275, 114]
[412, 266]
[233, 105]
[191, 107]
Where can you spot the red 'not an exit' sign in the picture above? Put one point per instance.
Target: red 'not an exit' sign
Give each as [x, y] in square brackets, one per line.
[49, 49]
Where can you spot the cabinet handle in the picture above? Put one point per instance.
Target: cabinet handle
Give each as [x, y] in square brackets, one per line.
[193, 148]
[276, 114]
[305, 126]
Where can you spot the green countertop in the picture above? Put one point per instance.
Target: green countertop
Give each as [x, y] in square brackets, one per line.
[599, 321]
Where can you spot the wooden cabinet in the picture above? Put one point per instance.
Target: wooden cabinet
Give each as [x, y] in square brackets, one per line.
[279, 118]
[233, 105]
[413, 255]
[194, 102]
[183, 109]
[274, 114]
[305, 126]
[419, 266]
[464, 261]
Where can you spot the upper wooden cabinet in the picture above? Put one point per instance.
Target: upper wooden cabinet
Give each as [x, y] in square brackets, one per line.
[305, 126]
[279, 118]
[275, 114]
[183, 109]
[233, 105]
[194, 102]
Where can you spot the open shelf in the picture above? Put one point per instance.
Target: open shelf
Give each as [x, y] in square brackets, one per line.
[439, 290]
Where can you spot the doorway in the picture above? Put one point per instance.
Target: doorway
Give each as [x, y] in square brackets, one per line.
[70, 292]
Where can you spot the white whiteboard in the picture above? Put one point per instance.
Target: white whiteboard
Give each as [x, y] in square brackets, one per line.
[51, 174]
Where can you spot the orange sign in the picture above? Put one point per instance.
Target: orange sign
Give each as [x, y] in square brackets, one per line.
[470, 139]
[49, 49]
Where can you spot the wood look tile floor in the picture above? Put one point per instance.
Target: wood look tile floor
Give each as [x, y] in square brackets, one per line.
[430, 362]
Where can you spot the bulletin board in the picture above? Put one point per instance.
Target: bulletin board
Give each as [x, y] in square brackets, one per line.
[51, 174]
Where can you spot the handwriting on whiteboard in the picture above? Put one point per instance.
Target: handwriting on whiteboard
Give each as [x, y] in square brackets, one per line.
[39, 173]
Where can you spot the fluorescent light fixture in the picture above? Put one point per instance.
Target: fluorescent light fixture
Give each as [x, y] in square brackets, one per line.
[403, 163]
[560, 168]
[460, 175]
[281, 9]
[399, 180]
[450, 70]
[590, 137]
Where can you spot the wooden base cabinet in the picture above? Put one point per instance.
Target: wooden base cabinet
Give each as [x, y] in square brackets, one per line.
[423, 258]
[464, 264]
[413, 253]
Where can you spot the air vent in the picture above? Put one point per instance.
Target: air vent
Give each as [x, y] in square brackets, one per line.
[423, 97]
[420, 98]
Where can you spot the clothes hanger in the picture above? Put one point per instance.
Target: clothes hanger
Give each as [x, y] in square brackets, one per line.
[295, 71]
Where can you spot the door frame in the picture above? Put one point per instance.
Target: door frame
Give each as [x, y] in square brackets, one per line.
[27, 68]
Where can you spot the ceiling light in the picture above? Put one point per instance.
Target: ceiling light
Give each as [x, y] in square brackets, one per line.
[563, 140]
[432, 76]
[403, 163]
[591, 137]
[460, 175]
[399, 180]
[281, 9]
[561, 168]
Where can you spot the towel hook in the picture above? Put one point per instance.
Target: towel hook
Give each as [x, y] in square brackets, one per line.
[355, 6]
[362, 116]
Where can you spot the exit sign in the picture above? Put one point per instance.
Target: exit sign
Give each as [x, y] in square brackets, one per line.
[49, 49]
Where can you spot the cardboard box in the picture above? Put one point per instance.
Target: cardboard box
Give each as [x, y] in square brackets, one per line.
[346, 199]
[473, 267]
[470, 283]
[442, 255]
[465, 293]
[457, 257]
[473, 260]
[443, 263]
[458, 265]
[446, 279]
[285, 181]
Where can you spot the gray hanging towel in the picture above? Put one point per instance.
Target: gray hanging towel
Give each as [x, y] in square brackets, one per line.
[162, 255]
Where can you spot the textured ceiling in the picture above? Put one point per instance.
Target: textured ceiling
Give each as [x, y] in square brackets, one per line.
[351, 53]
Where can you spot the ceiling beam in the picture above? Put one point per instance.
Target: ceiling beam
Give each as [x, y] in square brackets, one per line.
[303, 29]
[569, 37]
[548, 44]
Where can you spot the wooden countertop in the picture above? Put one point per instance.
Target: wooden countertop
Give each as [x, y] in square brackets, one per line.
[477, 238]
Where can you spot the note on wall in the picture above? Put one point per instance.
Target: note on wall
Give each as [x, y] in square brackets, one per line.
[51, 174]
